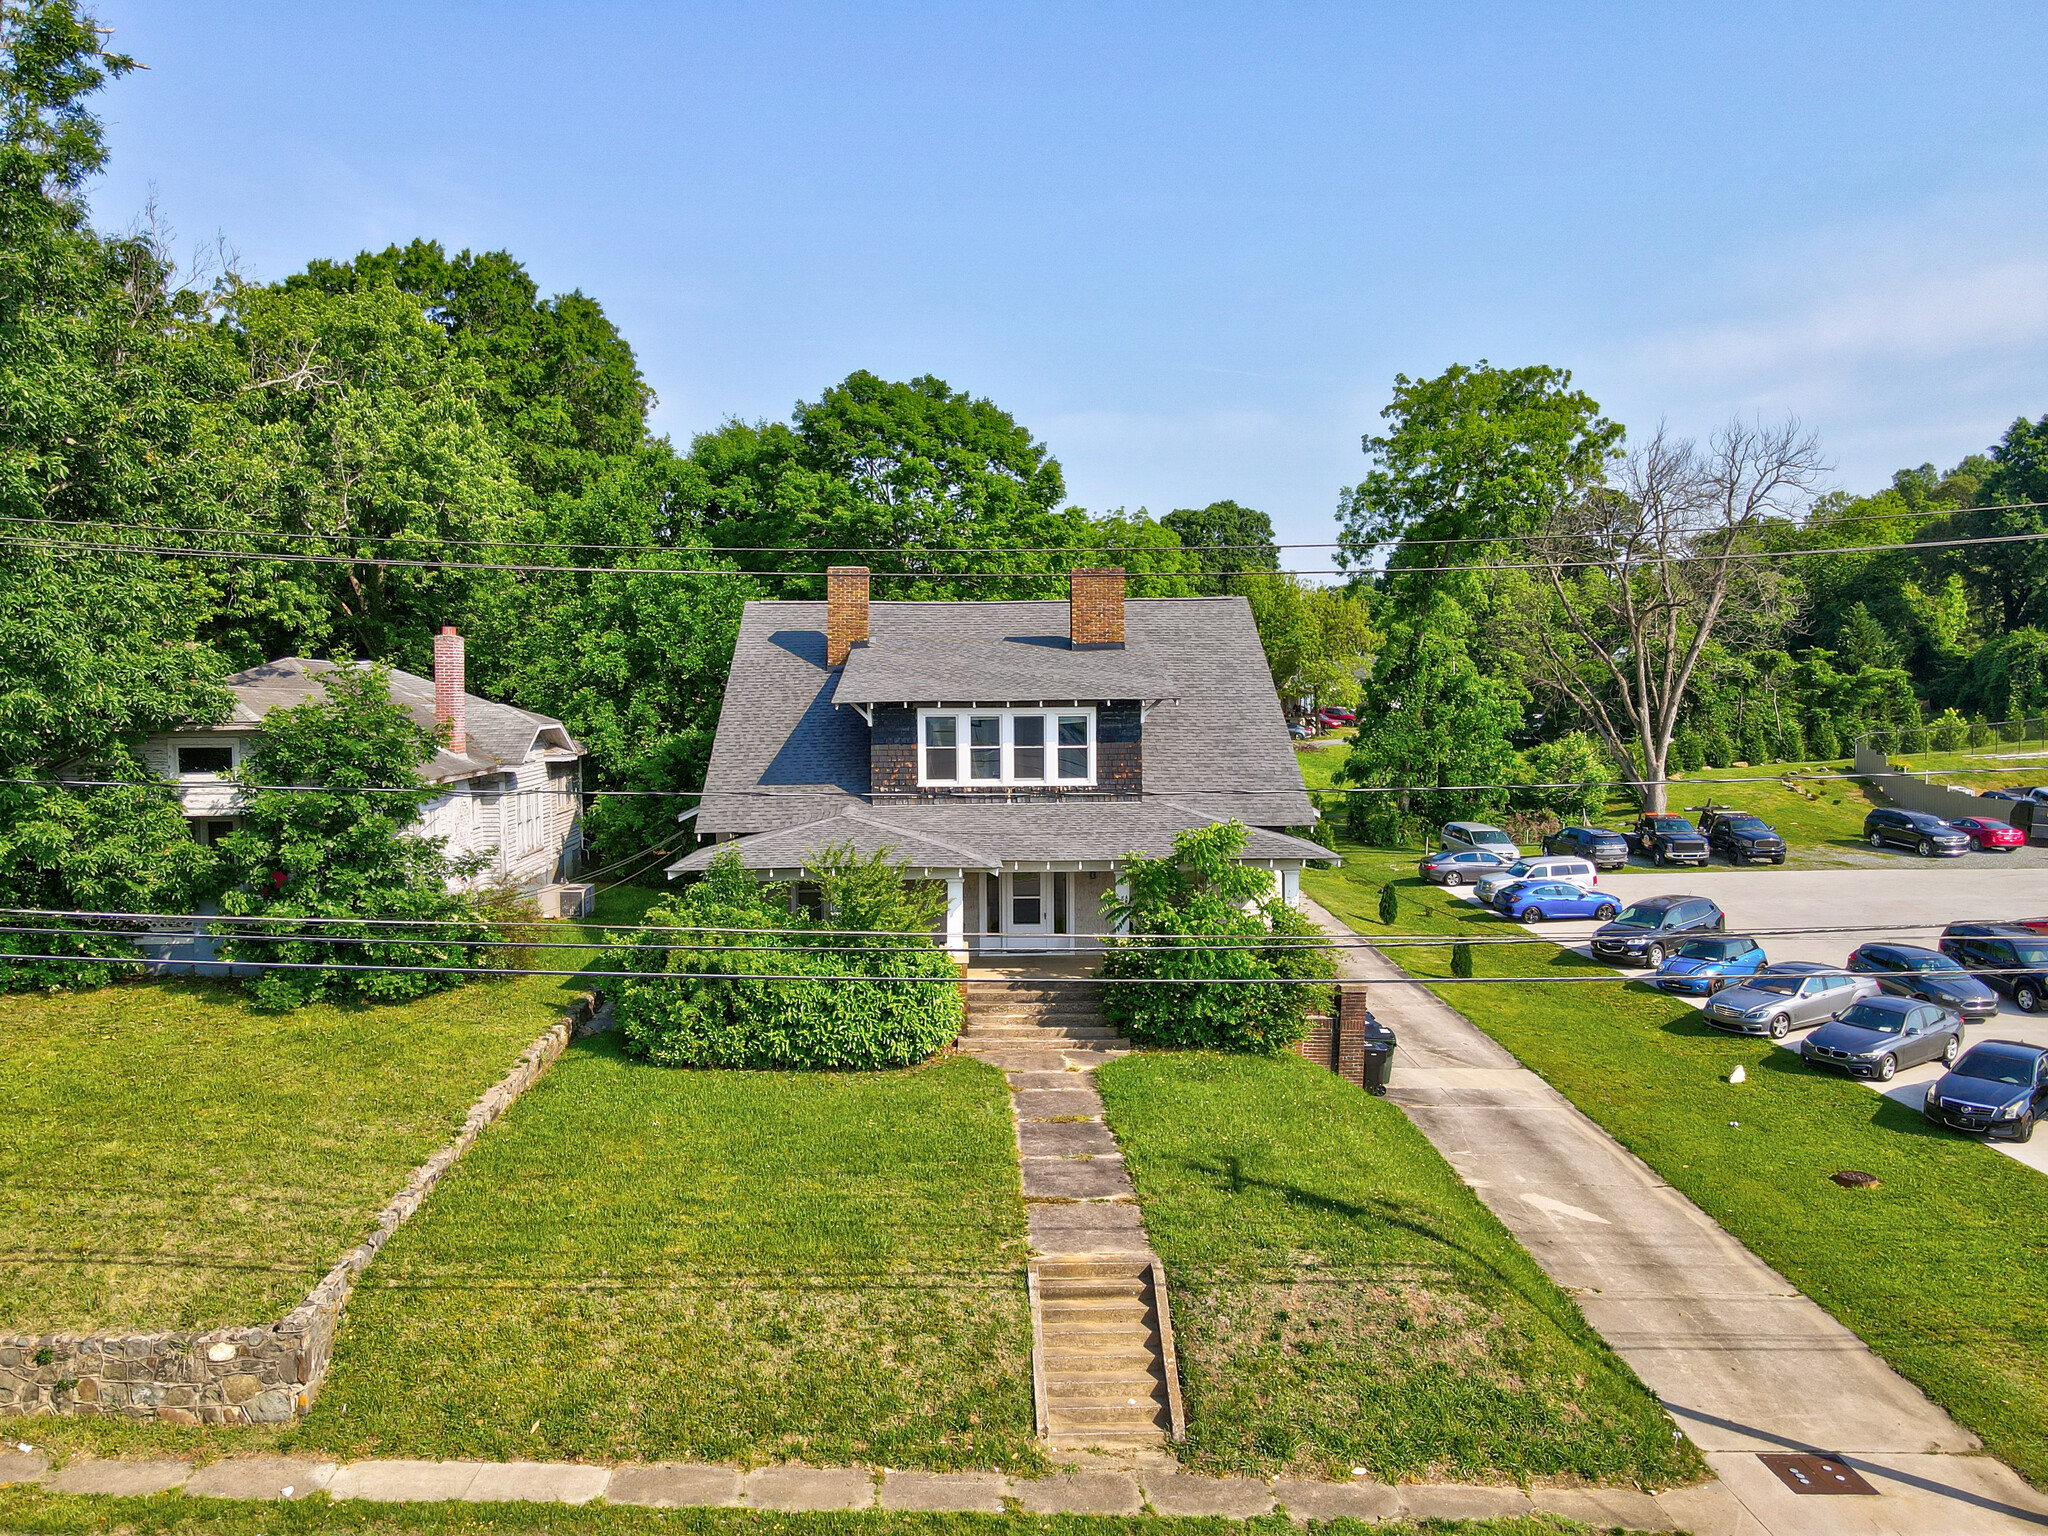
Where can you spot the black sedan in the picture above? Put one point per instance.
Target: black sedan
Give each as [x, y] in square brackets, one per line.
[1876, 1037]
[1999, 1088]
[1648, 930]
[1908, 970]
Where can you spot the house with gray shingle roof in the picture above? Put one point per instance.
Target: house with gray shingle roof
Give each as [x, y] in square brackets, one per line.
[1017, 751]
[512, 779]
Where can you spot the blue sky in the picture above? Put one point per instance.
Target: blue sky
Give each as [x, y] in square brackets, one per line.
[1189, 246]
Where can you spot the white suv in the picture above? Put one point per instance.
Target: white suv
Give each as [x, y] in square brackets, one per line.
[1478, 834]
[1579, 872]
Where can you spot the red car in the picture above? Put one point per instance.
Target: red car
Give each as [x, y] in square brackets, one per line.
[1334, 717]
[1990, 836]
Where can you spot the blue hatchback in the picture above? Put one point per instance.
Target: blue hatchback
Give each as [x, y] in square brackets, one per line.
[1533, 901]
[1702, 967]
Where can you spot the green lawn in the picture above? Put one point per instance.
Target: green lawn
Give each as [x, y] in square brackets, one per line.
[648, 1264]
[27, 1512]
[1942, 1269]
[172, 1158]
[1341, 1299]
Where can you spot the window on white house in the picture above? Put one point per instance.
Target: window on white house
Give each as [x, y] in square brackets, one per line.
[1007, 746]
[206, 760]
[1026, 904]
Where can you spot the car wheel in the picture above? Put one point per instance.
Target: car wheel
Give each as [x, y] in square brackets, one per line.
[1657, 858]
[1926, 847]
[1876, 841]
[1781, 1026]
[2026, 997]
[1887, 1069]
[1714, 987]
[1454, 878]
[1532, 914]
[2026, 1128]
[1654, 955]
[1604, 913]
[1951, 1050]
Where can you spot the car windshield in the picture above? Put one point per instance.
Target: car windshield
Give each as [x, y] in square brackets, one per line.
[1641, 917]
[2032, 954]
[1996, 1065]
[1784, 985]
[1708, 949]
[1671, 824]
[1746, 824]
[1520, 867]
[1886, 1021]
[1928, 823]
[1928, 963]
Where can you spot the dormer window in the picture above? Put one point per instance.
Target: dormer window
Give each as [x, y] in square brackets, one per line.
[999, 747]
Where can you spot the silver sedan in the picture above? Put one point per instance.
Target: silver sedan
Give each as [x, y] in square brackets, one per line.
[1792, 993]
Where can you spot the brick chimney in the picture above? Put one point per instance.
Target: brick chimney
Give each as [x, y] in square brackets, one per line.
[1096, 609]
[846, 611]
[450, 687]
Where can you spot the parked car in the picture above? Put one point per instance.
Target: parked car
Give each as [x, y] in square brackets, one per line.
[1702, 967]
[1922, 831]
[1460, 866]
[2007, 957]
[1739, 837]
[1910, 970]
[1536, 867]
[1334, 717]
[1603, 848]
[1666, 839]
[1990, 836]
[1478, 834]
[1997, 1088]
[1792, 992]
[1878, 1035]
[1301, 730]
[1536, 901]
[2001, 794]
[1644, 932]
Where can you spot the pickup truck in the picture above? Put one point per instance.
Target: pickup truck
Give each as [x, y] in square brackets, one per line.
[1668, 839]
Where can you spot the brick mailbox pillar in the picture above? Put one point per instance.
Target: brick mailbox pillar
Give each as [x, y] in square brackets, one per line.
[1337, 1041]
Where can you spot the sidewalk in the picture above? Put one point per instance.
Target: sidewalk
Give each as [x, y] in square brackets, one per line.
[1124, 1486]
[1742, 1360]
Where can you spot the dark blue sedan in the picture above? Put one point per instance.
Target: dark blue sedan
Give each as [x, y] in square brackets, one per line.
[1536, 901]
[1998, 1088]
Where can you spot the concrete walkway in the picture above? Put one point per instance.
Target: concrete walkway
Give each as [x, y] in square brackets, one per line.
[1742, 1360]
[1125, 1487]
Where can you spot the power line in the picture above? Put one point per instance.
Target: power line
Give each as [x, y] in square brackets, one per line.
[1644, 563]
[458, 792]
[711, 547]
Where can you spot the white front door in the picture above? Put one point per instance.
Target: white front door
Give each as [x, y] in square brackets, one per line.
[1027, 910]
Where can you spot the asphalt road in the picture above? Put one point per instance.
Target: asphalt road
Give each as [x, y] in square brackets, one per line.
[1910, 901]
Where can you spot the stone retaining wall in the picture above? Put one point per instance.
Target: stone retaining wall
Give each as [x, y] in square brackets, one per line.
[244, 1375]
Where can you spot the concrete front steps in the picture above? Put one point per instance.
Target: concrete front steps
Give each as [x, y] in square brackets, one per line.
[1102, 1354]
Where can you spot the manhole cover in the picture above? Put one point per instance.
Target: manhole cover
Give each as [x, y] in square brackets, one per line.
[1815, 1474]
[1855, 1178]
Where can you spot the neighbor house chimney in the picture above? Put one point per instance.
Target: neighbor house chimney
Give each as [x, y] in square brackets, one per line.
[450, 687]
[1096, 608]
[846, 611]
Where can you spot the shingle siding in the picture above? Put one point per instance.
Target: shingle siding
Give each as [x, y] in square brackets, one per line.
[892, 751]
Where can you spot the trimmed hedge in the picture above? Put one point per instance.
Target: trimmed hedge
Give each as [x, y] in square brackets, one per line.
[786, 1007]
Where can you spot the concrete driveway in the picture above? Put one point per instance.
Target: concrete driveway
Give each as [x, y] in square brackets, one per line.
[1910, 903]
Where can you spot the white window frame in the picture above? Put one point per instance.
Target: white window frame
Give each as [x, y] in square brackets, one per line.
[1009, 714]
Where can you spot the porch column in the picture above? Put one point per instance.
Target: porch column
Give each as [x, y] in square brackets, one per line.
[1123, 894]
[956, 916]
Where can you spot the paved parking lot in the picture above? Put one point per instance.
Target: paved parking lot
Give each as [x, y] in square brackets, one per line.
[1909, 902]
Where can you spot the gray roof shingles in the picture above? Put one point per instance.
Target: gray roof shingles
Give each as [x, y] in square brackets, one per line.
[786, 754]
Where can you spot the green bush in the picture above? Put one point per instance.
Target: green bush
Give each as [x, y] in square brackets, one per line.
[1259, 998]
[1826, 742]
[1981, 733]
[1792, 743]
[1913, 739]
[1950, 733]
[1390, 903]
[755, 998]
[1715, 746]
[1687, 756]
[1756, 743]
[1461, 959]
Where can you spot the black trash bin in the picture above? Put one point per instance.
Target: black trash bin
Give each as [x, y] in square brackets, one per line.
[1378, 1051]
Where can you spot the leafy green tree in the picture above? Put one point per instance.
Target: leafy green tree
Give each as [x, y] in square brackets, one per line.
[329, 853]
[554, 376]
[1864, 642]
[1480, 453]
[1429, 717]
[1317, 639]
[1573, 772]
[2010, 581]
[2007, 677]
[1201, 892]
[1226, 539]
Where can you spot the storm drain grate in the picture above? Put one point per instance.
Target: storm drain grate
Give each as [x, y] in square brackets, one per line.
[1815, 1474]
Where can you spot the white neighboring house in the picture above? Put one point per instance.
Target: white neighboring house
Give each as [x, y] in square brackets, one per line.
[513, 779]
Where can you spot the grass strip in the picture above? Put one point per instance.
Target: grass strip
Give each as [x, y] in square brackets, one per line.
[1942, 1268]
[1341, 1299]
[641, 1263]
[30, 1512]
